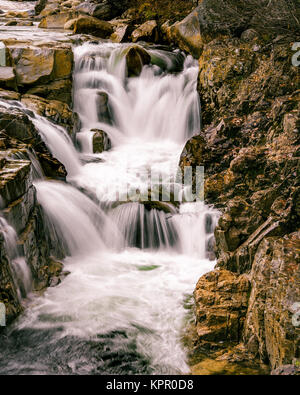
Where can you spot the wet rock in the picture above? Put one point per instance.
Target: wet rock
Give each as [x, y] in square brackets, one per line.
[101, 141]
[35, 65]
[91, 25]
[103, 9]
[69, 25]
[40, 5]
[54, 110]
[100, 10]
[17, 131]
[55, 21]
[221, 300]
[121, 31]
[136, 58]
[186, 34]
[148, 31]
[271, 327]
[8, 78]
[60, 90]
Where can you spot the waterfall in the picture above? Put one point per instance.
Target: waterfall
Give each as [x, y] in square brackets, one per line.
[20, 269]
[143, 228]
[151, 107]
[59, 144]
[133, 264]
[75, 219]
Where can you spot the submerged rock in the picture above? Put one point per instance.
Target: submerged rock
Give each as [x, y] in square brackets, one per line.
[101, 141]
[136, 58]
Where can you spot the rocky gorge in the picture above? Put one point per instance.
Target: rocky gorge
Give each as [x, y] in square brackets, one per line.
[246, 308]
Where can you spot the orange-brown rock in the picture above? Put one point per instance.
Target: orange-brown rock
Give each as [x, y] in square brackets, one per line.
[221, 300]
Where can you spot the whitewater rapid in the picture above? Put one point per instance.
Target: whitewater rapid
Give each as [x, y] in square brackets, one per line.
[127, 299]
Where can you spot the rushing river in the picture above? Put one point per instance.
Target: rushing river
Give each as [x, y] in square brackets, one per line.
[124, 305]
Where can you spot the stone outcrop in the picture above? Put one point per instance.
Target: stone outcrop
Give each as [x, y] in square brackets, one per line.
[214, 19]
[272, 326]
[18, 133]
[221, 304]
[55, 110]
[186, 34]
[104, 9]
[35, 65]
[249, 146]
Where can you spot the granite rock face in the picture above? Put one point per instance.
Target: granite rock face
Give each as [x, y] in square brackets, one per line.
[272, 326]
[221, 304]
[216, 19]
[249, 146]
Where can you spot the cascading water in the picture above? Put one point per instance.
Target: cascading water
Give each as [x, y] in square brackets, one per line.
[122, 308]
[20, 269]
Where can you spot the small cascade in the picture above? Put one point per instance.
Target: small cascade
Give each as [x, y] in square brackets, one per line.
[37, 171]
[195, 225]
[55, 137]
[151, 107]
[59, 144]
[143, 228]
[133, 267]
[75, 221]
[20, 269]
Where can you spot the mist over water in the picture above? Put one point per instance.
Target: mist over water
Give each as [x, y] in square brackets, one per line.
[123, 307]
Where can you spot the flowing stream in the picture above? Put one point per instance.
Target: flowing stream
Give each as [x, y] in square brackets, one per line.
[133, 267]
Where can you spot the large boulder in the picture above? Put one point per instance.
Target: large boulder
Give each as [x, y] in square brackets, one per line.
[136, 58]
[35, 65]
[103, 9]
[90, 25]
[18, 132]
[221, 300]
[186, 34]
[101, 141]
[231, 18]
[55, 21]
[60, 90]
[121, 30]
[148, 31]
[7, 77]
